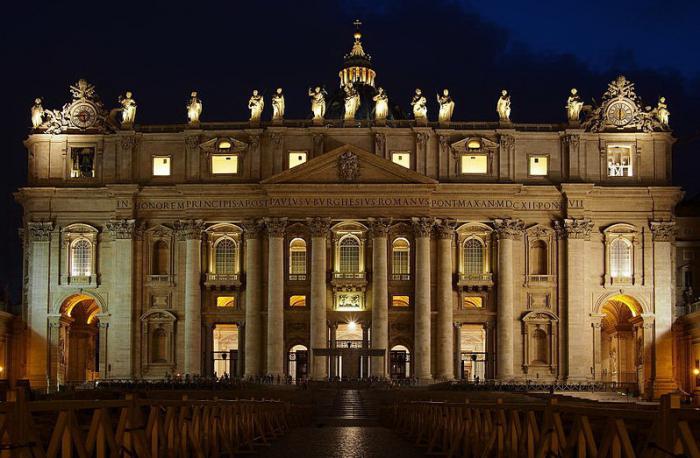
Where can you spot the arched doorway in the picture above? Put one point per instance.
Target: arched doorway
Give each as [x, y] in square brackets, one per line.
[78, 346]
[298, 358]
[400, 362]
[622, 340]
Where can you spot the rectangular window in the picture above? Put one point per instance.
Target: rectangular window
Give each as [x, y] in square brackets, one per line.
[297, 265]
[619, 161]
[161, 166]
[474, 164]
[82, 162]
[403, 159]
[224, 164]
[400, 301]
[539, 166]
[225, 301]
[296, 158]
[297, 301]
[400, 262]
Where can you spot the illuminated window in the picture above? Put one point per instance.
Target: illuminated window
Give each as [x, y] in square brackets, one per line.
[224, 164]
[619, 161]
[161, 166]
[225, 301]
[621, 258]
[349, 254]
[400, 257]
[473, 260]
[297, 257]
[296, 158]
[297, 301]
[402, 159]
[539, 165]
[474, 163]
[224, 145]
[474, 143]
[81, 258]
[400, 301]
[226, 254]
[470, 302]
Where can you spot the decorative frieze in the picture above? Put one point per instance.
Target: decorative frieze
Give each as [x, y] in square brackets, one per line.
[423, 226]
[189, 229]
[275, 226]
[446, 228]
[663, 231]
[379, 227]
[121, 229]
[319, 227]
[574, 228]
[509, 228]
[39, 231]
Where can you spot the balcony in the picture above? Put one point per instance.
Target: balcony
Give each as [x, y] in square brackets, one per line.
[540, 279]
[222, 281]
[348, 275]
[476, 281]
[297, 277]
[401, 277]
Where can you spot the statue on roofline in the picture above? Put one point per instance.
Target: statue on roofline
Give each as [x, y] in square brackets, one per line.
[574, 104]
[37, 113]
[447, 107]
[381, 105]
[128, 110]
[503, 106]
[662, 113]
[255, 105]
[352, 101]
[420, 106]
[194, 109]
[318, 103]
[278, 105]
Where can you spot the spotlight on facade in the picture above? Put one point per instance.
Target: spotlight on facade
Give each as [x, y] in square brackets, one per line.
[696, 371]
[352, 326]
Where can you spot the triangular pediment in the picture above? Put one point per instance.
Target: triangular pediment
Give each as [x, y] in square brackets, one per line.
[349, 165]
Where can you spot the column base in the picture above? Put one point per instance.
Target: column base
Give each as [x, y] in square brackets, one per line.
[425, 380]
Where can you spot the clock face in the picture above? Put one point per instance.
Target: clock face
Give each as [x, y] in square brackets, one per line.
[620, 113]
[83, 115]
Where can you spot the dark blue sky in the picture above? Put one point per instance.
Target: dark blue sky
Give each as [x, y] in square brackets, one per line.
[163, 50]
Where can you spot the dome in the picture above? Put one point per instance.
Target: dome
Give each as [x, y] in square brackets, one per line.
[357, 65]
[335, 108]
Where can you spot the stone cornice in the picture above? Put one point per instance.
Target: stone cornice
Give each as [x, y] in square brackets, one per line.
[379, 227]
[319, 227]
[509, 228]
[39, 231]
[663, 231]
[189, 229]
[275, 226]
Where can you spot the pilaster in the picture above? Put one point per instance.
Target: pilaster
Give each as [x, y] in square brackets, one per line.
[38, 238]
[445, 325]
[423, 228]
[253, 321]
[318, 326]
[275, 295]
[380, 294]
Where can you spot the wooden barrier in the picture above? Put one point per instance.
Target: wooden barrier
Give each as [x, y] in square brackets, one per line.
[546, 429]
[142, 428]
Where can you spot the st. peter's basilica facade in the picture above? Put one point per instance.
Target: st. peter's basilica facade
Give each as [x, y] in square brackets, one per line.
[354, 243]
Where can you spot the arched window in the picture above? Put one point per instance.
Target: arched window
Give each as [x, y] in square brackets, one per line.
[297, 257]
[473, 252]
[226, 257]
[349, 254]
[620, 258]
[81, 258]
[400, 257]
[538, 258]
[539, 347]
[159, 346]
[161, 258]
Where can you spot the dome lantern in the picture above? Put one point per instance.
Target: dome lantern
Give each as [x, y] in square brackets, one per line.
[357, 66]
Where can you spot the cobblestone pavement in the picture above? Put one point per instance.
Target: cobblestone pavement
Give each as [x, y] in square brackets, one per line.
[341, 442]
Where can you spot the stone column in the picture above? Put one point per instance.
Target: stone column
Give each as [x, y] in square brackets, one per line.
[507, 230]
[318, 325]
[37, 237]
[421, 345]
[663, 233]
[253, 299]
[380, 295]
[445, 324]
[578, 358]
[121, 310]
[191, 233]
[275, 296]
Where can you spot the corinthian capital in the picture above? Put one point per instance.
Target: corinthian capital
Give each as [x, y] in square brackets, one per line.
[663, 231]
[379, 227]
[275, 226]
[423, 226]
[574, 228]
[121, 228]
[319, 227]
[252, 228]
[446, 229]
[189, 229]
[509, 228]
[39, 231]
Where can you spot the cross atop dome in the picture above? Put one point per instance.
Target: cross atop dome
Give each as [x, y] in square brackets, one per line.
[357, 67]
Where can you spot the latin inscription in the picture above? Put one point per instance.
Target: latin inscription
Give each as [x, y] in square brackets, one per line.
[357, 202]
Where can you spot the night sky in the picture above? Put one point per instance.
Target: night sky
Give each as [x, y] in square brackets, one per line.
[163, 50]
